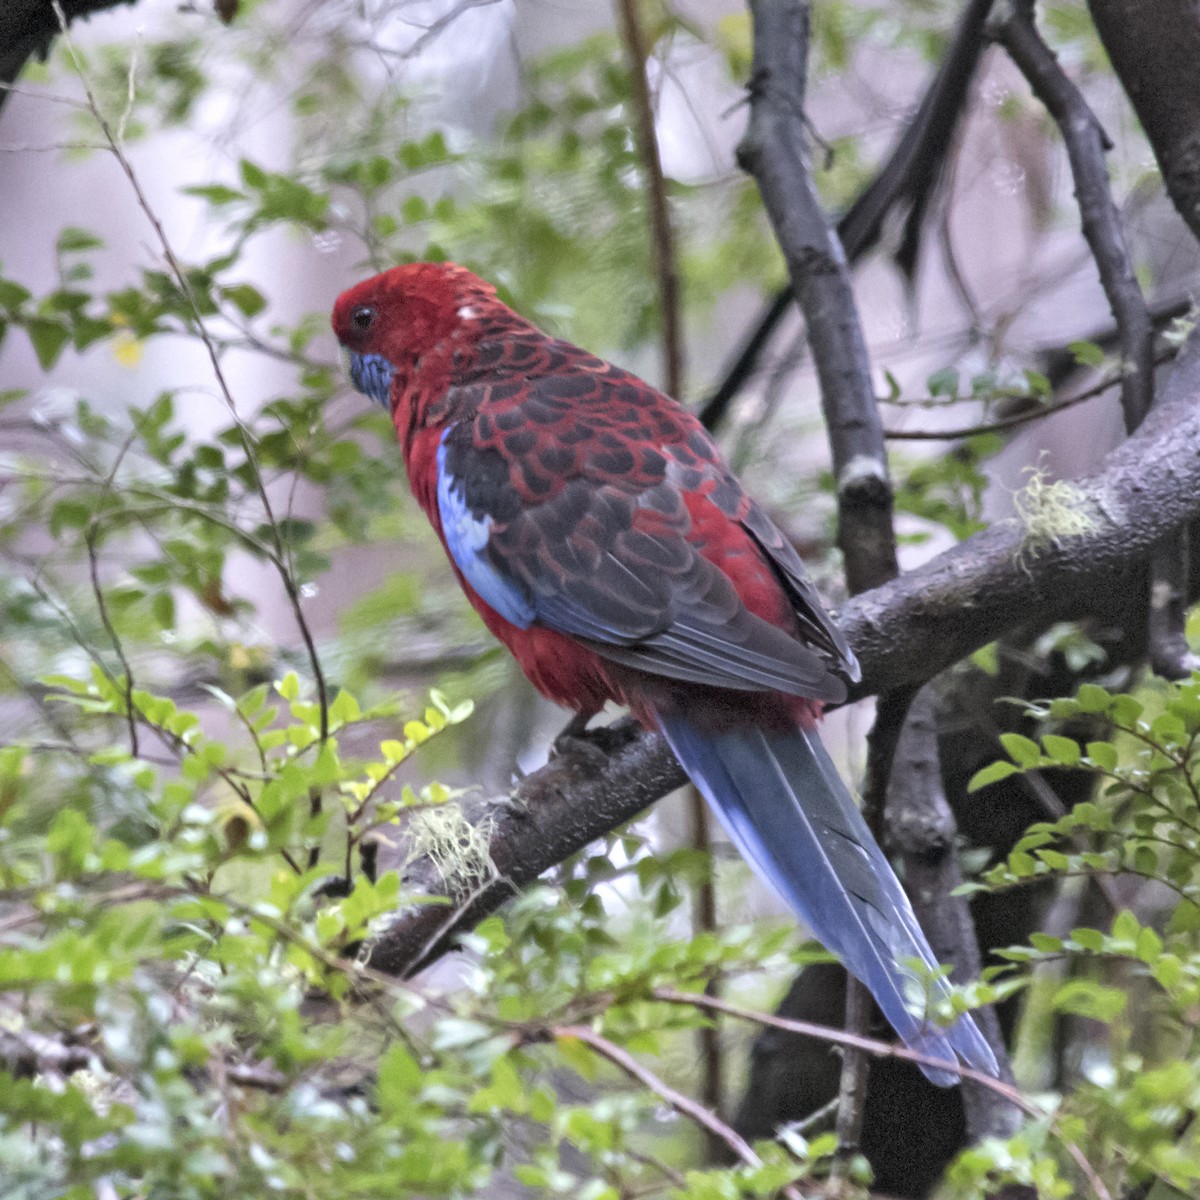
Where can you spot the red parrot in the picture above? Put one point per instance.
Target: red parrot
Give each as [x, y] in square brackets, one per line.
[597, 531]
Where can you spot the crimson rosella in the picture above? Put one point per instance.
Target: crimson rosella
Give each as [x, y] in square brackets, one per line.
[594, 526]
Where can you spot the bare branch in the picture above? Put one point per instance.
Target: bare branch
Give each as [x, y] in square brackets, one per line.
[922, 825]
[662, 235]
[684, 1105]
[775, 152]
[909, 175]
[1086, 145]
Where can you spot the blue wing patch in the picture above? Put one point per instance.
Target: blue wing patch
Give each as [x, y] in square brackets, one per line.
[372, 374]
[467, 537]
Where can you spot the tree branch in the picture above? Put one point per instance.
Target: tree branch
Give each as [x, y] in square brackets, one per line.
[774, 151]
[923, 827]
[1086, 144]
[662, 235]
[578, 796]
[910, 174]
[904, 632]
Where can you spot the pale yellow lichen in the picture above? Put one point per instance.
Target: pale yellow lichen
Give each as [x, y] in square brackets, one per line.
[458, 849]
[1050, 512]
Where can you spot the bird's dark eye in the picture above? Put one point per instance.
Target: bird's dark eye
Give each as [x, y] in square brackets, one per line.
[362, 318]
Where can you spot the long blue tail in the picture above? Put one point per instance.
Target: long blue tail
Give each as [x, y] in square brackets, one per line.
[787, 810]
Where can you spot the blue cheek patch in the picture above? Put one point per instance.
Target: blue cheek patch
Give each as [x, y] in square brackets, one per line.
[372, 375]
[466, 538]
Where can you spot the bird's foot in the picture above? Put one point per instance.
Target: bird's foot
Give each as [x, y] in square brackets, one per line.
[593, 745]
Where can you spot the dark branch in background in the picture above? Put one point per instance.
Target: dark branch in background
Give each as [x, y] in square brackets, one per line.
[775, 152]
[27, 27]
[853, 1081]
[1155, 51]
[904, 633]
[662, 236]
[1086, 145]
[910, 175]
[666, 268]
[924, 831]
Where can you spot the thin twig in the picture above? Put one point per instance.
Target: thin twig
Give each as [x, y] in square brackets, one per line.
[1011, 422]
[878, 1049]
[181, 279]
[93, 530]
[666, 270]
[682, 1104]
[662, 234]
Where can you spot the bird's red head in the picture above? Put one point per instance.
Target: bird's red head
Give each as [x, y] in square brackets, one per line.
[391, 320]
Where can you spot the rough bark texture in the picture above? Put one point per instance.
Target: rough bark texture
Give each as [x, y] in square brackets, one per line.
[1154, 46]
[597, 783]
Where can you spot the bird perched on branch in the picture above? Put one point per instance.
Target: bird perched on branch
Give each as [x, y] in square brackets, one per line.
[594, 526]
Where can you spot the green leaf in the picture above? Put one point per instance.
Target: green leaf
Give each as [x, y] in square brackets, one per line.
[49, 339]
[1023, 751]
[992, 773]
[1084, 998]
[944, 382]
[73, 240]
[248, 300]
[1103, 754]
[1093, 699]
[1087, 354]
[1064, 751]
[215, 193]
